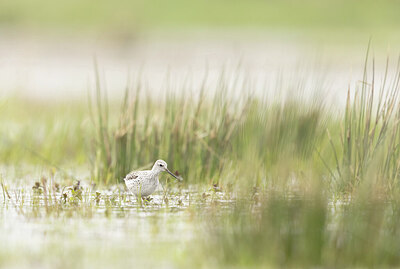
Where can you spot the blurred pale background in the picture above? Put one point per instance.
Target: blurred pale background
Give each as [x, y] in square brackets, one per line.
[47, 47]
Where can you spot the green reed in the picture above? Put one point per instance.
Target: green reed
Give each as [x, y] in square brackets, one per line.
[206, 138]
[368, 147]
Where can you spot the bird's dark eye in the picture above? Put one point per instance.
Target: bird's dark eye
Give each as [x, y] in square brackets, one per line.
[160, 164]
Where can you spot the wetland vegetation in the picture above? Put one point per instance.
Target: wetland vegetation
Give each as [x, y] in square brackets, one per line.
[274, 175]
[282, 182]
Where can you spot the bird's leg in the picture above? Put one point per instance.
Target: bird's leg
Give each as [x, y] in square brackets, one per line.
[165, 191]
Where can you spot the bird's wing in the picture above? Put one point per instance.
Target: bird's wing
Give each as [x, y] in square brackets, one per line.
[133, 180]
[132, 176]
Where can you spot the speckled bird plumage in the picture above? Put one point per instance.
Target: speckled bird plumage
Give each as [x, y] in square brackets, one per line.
[144, 183]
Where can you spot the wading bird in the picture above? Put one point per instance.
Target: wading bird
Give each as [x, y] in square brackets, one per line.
[144, 183]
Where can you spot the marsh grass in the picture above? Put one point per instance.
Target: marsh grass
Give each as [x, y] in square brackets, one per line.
[206, 138]
[346, 216]
[302, 231]
[175, 129]
[268, 182]
[37, 133]
[305, 188]
[369, 139]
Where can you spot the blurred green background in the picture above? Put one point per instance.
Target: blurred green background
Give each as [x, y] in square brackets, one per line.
[126, 15]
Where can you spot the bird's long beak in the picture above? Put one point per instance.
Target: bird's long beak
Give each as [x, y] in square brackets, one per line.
[169, 172]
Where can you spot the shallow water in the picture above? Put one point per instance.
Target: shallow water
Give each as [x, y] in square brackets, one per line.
[180, 227]
[116, 231]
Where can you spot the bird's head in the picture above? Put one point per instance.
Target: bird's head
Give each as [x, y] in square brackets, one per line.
[161, 166]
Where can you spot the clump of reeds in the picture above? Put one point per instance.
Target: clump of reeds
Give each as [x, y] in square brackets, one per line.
[229, 139]
[370, 136]
[192, 134]
[227, 136]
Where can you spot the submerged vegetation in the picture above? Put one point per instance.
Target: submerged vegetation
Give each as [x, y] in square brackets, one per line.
[281, 182]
